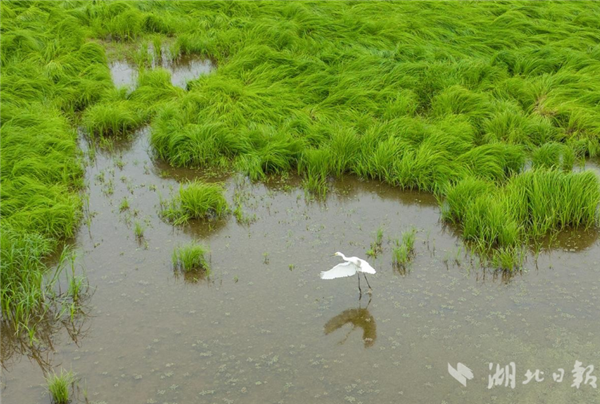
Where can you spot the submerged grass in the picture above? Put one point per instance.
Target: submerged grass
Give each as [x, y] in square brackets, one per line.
[509, 259]
[196, 200]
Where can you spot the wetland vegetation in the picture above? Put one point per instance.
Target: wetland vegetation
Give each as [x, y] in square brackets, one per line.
[190, 258]
[404, 250]
[196, 200]
[59, 386]
[494, 108]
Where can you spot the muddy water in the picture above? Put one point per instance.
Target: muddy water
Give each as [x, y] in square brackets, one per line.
[263, 328]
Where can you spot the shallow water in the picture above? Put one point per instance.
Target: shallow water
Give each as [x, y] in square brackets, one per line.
[125, 73]
[263, 328]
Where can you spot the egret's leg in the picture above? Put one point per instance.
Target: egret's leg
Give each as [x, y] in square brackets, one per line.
[347, 335]
[359, 289]
[367, 282]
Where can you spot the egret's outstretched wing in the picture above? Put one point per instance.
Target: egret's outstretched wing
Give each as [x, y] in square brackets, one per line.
[366, 267]
[340, 271]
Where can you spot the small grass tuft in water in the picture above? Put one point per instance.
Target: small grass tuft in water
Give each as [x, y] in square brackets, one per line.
[138, 230]
[59, 384]
[124, 205]
[190, 257]
[377, 245]
[507, 259]
[238, 212]
[404, 250]
[196, 200]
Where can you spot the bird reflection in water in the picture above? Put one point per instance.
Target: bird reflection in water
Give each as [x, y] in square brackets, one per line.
[357, 318]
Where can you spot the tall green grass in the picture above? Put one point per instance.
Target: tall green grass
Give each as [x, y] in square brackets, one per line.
[408, 107]
[530, 205]
[112, 118]
[421, 108]
[553, 200]
[49, 75]
[196, 200]
[554, 155]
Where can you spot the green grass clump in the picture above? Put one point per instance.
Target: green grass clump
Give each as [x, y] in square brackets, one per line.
[529, 206]
[112, 118]
[315, 165]
[554, 155]
[194, 145]
[124, 205]
[40, 171]
[22, 270]
[490, 222]
[507, 259]
[400, 255]
[377, 245]
[59, 385]
[546, 201]
[138, 230]
[196, 200]
[404, 250]
[460, 196]
[190, 257]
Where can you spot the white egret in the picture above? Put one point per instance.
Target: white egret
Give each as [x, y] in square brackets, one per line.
[353, 265]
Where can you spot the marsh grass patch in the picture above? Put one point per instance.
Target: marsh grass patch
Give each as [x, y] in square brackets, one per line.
[138, 230]
[530, 206]
[195, 200]
[59, 385]
[191, 258]
[404, 249]
[377, 245]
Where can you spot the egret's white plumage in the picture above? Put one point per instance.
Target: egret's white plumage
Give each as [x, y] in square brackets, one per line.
[352, 266]
[342, 270]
